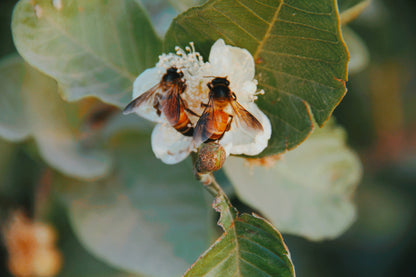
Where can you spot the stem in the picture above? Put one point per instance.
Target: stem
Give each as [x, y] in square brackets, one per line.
[214, 188]
[209, 182]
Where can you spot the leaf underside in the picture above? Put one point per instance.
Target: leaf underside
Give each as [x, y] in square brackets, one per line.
[301, 60]
[31, 107]
[147, 217]
[309, 191]
[92, 48]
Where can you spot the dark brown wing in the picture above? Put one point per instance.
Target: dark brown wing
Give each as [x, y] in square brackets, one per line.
[201, 132]
[146, 98]
[244, 119]
[172, 103]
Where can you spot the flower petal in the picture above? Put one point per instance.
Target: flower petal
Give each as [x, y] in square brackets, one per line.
[242, 141]
[148, 79]
[169, 145]
[234, 62]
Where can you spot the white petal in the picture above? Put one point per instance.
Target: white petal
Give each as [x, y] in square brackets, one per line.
[242, 141]
[148, 79]
[234, 62]
[169, 145]
[245, 91]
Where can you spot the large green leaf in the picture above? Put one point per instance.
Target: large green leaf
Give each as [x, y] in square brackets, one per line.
[307, 192]
[148, 218]
[301, 60]
[250, 246]
[31, 106]
[183, 5]
[345, 5]
[95, 47]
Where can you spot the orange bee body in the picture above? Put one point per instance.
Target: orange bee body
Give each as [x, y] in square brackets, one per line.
[215, 121]
[166, 98]
[216, 128]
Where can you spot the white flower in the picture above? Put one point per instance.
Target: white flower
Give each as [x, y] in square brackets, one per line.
[237, 65]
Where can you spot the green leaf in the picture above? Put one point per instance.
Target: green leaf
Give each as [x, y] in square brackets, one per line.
[77, 261]
[308, 191]
[148, 217]
[32, 107]
[250, 246]
[13, 124]
[183, 5]
[301, 60]
[95, 47]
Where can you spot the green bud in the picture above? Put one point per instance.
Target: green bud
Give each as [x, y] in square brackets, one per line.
[211, 157]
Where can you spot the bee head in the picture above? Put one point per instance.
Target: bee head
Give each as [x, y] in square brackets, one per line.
[172, 74]
[220, 81]
[219, 88]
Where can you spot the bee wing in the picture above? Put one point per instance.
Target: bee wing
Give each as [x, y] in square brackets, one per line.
[201, 132]
[244, 119]
[172, 104]
[147, 98]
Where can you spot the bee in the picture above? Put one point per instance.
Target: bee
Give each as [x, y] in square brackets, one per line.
[166, 98]
[215, 121]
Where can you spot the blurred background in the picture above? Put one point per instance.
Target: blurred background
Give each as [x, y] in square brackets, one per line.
[379, 114]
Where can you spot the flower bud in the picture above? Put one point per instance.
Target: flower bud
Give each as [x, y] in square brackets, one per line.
[211, 157]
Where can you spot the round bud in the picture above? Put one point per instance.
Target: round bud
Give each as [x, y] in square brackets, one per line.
[211, 157]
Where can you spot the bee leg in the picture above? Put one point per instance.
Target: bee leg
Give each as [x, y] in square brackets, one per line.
[229, 124]
[204, 105]
[185, 106]
[192, 112]
[156, 104]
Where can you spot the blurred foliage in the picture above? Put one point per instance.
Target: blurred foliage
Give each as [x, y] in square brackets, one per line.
[137, 219]
[90, 47]
[378, 113]
[307, 191]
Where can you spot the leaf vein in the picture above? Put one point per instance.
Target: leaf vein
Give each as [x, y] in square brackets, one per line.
[294, 76]
[305, 25]
[306, 38]
[309, 12]
[253, 265]
[234, 23]
[215, 28]
[90, 51]
[262, 247]
[268, 31]
[264, 4]
[276, 53]
[251, 11]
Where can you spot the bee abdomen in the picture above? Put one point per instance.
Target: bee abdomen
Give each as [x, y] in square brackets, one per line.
[185, 127]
